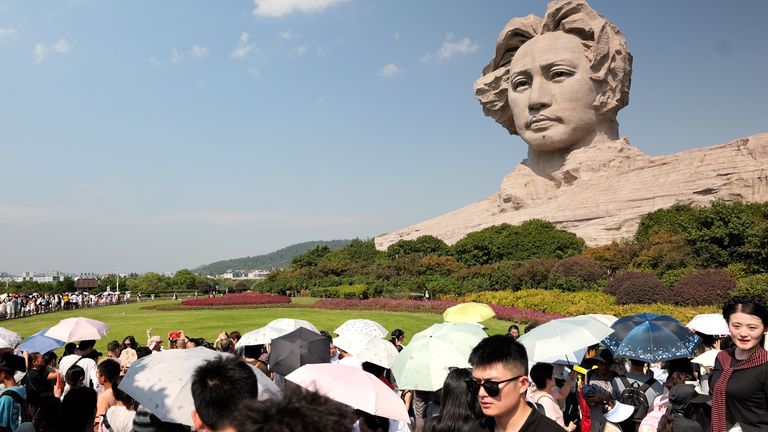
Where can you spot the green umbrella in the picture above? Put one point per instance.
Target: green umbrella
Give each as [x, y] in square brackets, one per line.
[425, 362]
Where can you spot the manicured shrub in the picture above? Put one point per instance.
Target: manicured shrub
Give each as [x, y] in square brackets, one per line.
[533, 273]
[341, 291]
[637, 287]
[671, 277]
[756, 285]
[615, 256]
[703, 287]
[550, 301]
[440, 265]
[247, 298]
[585, 269]
[567, 283]
[584, 302]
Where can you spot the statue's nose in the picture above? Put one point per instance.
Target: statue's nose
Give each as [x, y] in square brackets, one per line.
[539, 96]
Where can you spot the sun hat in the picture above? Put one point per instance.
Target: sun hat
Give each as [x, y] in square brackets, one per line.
[619, 412]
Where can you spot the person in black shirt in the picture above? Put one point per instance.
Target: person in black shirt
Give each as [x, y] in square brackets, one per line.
[739, 382]
[682, 406]
[500, 381]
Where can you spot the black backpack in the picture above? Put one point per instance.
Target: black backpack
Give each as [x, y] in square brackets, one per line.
[634, 395]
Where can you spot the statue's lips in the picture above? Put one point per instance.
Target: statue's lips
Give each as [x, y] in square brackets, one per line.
[541, 122]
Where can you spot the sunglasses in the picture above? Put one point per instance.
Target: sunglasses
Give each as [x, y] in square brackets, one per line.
[491, 387]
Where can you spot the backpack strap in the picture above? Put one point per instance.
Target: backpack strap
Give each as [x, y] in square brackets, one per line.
[646, 385]
[15, 396]
[625, 381]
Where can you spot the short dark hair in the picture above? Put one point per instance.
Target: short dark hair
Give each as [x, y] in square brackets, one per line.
[513, 327]
[86, 344]
[235, 335]
[540, 373]
[219, 386]
[500, 349]
[298, 409]
[75, 375]
[142, 351]
[113, 346]
[109, 369]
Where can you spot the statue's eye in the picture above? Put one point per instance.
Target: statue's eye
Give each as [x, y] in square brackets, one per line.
[560, 74]
[520, 83]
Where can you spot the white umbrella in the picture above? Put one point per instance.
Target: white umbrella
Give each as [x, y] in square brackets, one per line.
[273, 330]
[77, 329]
[353, 343]
[425, 362]
[709, 324]
[161, 382]
[707, 358]
[364, 326]
[351, 386]
[380, 352]
[605, 318]
[8, 338]
[563, 336]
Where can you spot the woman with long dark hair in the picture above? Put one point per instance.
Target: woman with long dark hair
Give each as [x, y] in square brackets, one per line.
[739, 382]
[681, 410]
[459, 410]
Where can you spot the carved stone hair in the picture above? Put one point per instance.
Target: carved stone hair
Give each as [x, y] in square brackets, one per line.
[604, 46]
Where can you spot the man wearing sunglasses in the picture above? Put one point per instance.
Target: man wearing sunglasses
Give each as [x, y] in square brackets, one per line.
[500, 381]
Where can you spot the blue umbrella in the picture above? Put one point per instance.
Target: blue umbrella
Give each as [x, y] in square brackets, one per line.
[651, 338]
[39, 342]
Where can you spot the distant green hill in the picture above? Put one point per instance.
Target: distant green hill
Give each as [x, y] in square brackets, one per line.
[277, 259]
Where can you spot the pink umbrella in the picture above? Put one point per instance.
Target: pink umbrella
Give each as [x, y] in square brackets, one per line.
[77, 329]
[351, 386]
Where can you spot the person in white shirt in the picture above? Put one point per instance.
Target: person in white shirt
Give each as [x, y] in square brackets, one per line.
[81, 358]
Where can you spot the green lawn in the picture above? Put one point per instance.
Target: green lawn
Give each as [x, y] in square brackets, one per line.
[129, 319]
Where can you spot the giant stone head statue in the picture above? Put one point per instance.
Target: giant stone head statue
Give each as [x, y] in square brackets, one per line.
[559, 81]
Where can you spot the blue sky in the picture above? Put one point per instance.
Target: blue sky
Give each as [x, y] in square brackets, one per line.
[152, 136]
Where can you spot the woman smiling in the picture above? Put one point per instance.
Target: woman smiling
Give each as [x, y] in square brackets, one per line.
[740, 378]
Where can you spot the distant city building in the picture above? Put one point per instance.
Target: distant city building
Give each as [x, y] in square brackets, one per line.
[244, 275]
[54, 276]
[86, 282]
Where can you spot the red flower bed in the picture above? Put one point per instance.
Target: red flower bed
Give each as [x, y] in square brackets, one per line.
[431, 306]
[247, 298]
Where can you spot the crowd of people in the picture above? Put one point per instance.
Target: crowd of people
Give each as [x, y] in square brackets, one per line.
[500, 392]
[21, 305]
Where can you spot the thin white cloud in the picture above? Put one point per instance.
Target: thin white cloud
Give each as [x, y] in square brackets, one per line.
[243, 47]
[40, 52]
[301, 50]
[62, 46]
[278, 8]
[321, 51]
[389, 71]
[449, 49]
[153, 61]
[397, 36]
[6, 34]
[287, 34]
[176, 57]
[198, 52]
[254, 73]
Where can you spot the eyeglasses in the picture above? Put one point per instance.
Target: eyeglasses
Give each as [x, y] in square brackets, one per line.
[491, 387]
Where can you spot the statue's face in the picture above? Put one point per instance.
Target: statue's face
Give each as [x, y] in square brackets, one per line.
[551, 94]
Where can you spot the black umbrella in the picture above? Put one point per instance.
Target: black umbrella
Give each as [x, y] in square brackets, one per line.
[297, 348]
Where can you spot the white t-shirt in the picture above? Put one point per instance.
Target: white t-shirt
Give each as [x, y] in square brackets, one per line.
[120, 418]
[88, 365]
